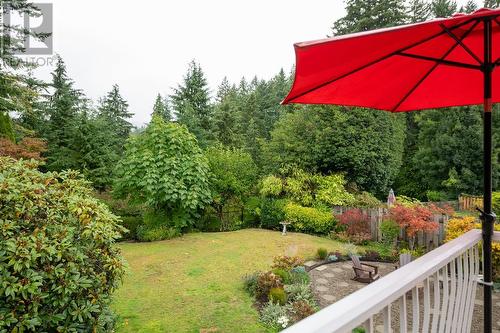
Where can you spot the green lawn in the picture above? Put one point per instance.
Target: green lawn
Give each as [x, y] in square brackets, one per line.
[193, 283]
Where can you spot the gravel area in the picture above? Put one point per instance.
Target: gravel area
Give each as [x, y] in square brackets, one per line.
[332, 282]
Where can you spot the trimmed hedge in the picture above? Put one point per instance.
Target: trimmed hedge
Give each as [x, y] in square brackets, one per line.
[309, 219]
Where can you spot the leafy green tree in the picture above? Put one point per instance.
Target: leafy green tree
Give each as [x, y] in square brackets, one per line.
[363, 15]
[164, 169]
[59, 264]
[367, 145]
[191, 104]
[443, 8]
[161, 108]
[449, 151]
[234, 174]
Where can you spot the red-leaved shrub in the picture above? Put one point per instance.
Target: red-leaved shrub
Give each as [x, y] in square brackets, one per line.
[356, 225]
[413, 219]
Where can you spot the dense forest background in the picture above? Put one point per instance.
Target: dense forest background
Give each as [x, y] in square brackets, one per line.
[430, 155]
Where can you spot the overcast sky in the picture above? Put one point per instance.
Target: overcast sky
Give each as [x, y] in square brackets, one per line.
[145, 46]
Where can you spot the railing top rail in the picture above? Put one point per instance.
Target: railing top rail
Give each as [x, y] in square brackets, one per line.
[350, 311]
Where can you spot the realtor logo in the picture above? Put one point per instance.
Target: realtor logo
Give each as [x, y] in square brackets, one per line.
[24, 34]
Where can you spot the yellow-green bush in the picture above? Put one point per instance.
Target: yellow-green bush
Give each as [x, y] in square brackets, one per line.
[459, 226]
[309, 219]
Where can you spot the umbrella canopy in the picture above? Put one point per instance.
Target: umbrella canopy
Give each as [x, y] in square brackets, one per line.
[411, 67]
[434, 64]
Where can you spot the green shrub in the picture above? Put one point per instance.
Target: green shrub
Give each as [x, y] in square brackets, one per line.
[252, 212]
[300, 292]
[495, 201]
[435, 196]
[283, 274]
[299, 277]
[390, 231]
[309, 219]
[322, 253]
[272, 186]
[366, 200]
[131, 223]
[208, 221]
[250, 283]
[272, 213]
[331, 191]
[275, 316]
[277, 295]
[359, 330]
[58, 262]
[152, 233]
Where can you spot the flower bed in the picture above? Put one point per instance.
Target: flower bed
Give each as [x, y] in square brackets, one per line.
[283, 294]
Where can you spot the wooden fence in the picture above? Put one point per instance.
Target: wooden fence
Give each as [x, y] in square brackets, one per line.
[429, 240]
[470, 202]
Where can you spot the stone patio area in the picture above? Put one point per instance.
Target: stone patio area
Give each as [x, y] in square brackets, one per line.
[332, 282]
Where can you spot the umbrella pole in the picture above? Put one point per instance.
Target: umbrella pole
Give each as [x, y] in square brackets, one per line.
[487, 216]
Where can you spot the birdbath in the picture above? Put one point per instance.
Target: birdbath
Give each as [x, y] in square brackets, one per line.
[284, 224]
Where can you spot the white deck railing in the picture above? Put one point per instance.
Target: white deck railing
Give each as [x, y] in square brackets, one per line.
[444, 279]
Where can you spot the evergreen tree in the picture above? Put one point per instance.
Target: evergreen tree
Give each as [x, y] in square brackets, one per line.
[363, 15]
[491, 3]
[15, 93]
[114, 109]
[161, 108]
[418, 11]
[191, 104]
[226, 113]
[63, 124]
[97, 158]
[469, 7]
[443, 8]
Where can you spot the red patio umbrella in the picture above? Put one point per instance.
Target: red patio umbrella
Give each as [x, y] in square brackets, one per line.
[434, 64]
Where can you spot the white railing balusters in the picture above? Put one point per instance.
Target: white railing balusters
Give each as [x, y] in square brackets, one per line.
[447, 277]
[474, 264]
[387, 319]
[464, 301]
[437, 302]
[427, 306]
[456, 313]
[403, 323]
[415, 319]
[368, 325]
[451, 303]
[444, 307]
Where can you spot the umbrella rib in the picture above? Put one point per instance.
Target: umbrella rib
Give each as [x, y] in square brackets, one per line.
[290, 100]
[459, 41]
[439, 60]
[437, 63]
